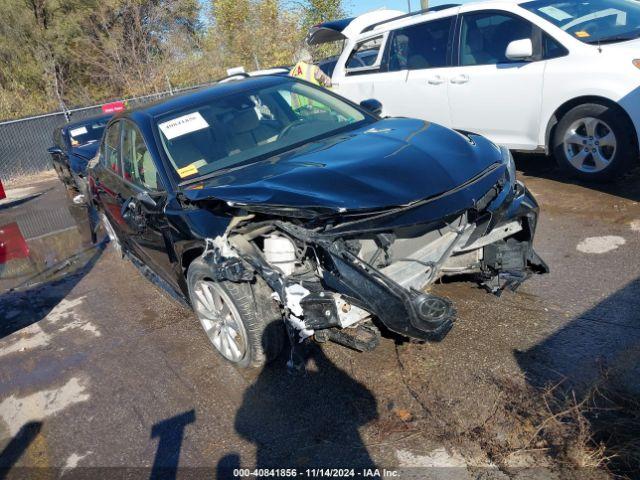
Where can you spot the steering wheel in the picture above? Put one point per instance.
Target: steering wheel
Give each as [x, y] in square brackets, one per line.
[285, 131]
[359, 60]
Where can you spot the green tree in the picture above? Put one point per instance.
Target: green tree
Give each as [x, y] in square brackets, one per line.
[318, 11]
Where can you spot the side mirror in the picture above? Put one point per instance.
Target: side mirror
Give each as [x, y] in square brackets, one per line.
[372, 106]
[55, 150]
[145, 199]
[520, 50]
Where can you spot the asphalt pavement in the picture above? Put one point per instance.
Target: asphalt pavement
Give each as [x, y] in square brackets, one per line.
[99, 368]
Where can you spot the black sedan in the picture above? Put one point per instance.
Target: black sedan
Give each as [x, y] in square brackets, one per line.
[272, 206]
[74, 145]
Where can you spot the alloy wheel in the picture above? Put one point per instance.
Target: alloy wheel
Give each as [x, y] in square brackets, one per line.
[590, 145]
[220, 320]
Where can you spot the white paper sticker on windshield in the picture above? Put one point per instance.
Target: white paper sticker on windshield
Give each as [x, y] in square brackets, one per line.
[182, 125]
[555, 13]
[78, 131]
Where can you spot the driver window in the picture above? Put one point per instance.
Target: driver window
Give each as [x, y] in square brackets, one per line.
[111, 148]
[485, 36]
[365, 53]
[138, 166]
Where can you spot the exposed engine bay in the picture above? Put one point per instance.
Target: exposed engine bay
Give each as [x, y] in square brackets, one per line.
[345, 278]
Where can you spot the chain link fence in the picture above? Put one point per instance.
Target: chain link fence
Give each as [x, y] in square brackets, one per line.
[24, 142]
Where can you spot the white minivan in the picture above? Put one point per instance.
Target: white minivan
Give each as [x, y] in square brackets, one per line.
[561, 77]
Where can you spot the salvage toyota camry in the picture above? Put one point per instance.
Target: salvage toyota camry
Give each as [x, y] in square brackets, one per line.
[280, 210]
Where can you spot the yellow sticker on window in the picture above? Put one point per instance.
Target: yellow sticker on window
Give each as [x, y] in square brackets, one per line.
[582, 34]
[187, 171]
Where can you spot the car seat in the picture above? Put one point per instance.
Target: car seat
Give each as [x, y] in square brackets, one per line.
[473, 52]
[149, 173]
[246, 131]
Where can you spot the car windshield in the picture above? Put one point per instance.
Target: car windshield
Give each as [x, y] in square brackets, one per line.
[241, 128]
[84, 134]
[592, 21]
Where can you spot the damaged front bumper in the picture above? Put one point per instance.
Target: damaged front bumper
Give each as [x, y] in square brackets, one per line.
[375, 269]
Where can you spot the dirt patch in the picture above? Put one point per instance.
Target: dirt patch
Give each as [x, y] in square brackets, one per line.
[549, 430]
[29, 179]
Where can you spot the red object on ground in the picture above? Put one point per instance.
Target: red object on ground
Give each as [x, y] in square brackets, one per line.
[113, 107]
[12, 243]
[2, 194]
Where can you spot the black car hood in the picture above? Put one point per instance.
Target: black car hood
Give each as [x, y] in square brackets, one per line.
[392, 162]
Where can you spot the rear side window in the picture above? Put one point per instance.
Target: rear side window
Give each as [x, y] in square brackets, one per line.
[365, 54]
[137, 164]
[484, 37]
[111, 148]
[420, 46]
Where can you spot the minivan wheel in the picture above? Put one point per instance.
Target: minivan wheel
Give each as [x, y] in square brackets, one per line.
[595, 142]
[241, 320]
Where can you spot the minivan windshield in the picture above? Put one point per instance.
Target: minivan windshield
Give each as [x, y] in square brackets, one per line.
[252, 124]
[592, 21]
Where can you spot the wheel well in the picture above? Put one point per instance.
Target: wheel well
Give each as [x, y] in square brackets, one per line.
[564, 108]
[189, 256]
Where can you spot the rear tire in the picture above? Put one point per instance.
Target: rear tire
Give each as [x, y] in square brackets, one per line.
[595, 142]
[241, 320]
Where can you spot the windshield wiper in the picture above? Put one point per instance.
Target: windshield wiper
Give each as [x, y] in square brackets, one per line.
[615, 39]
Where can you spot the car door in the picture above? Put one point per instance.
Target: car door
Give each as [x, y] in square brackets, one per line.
[364, 75]
[107, 181]
[490, 94]
[142, 209]
[422, 52]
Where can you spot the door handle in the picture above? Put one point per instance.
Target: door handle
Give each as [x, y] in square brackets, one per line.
[460, 79]
[436, 80]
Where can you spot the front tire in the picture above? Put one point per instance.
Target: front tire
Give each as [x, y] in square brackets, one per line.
[241, 320]
[595, 142]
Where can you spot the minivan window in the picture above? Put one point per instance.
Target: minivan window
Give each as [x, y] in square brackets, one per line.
[485, 36]
[365, 53]
[420, 46]
[592, 21]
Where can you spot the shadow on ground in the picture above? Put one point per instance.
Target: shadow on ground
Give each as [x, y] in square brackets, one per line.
[24, 306]
[541, 166]
[594, 365]
[170, 434]
[17, 446]
[304, 422]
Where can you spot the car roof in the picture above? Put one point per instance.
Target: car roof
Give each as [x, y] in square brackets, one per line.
[442, 10]
[186, 100]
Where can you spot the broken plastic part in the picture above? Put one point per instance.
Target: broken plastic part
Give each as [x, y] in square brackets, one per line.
[303, 331]
[294, 294]
[224, 262]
